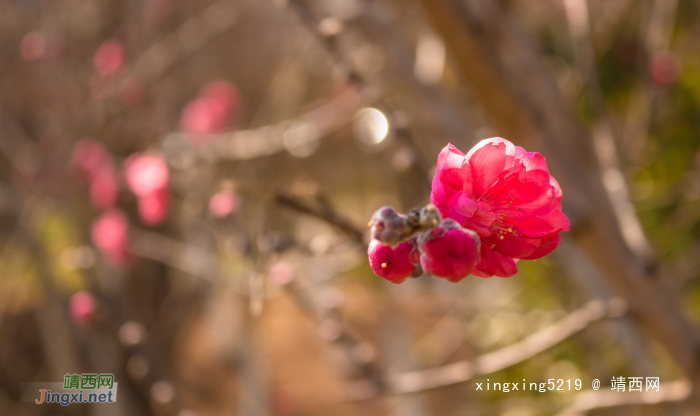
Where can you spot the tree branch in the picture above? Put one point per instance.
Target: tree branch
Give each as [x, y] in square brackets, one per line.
[586, 401]
[492, 362]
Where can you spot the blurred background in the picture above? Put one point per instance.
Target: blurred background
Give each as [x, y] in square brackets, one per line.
[185, 188]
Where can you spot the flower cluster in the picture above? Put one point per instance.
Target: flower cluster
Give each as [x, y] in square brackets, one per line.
[497, 204]
[148, 177]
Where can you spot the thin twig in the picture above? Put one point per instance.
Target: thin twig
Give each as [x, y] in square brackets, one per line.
[312, 206]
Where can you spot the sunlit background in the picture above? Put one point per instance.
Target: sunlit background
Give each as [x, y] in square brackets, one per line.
[185, 188]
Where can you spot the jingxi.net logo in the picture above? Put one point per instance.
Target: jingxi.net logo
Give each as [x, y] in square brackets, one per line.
[76, 388]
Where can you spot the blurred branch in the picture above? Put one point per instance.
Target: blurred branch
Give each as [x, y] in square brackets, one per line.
[492, 362]
[657, 38]
[332, 46]
[162, 55]
[310, 205]
[184, 41]
[505, 72]
[309, 19]
[359, 354]
[586, 401]
[180, 256]
[602, 133]
[267, 140]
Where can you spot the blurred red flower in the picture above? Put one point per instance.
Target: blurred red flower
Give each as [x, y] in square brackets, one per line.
[147, 175]
[109, 58]
[96, 164]
[81, 308]
[213, 111]
[33, 46]
[110, 233]
[223, 203]
[665, 68]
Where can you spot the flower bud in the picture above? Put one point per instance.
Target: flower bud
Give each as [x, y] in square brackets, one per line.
[449, 251]
[388, 226]
[392, 264]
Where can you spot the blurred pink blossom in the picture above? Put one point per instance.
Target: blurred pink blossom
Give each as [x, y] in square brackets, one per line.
[81, 308]
[664, 68]
[153, 207]
[109, 58]
[148, 177]
[213, 111]
[103, 188]
[95, 163]
[33, 46]
[89, 156]
[110, 233]
[281, 273]
[223, 203]
[131, 92]
[146, 173]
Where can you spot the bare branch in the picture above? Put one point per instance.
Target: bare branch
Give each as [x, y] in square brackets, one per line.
[506, 357]
[184, 41]
[586, 401]
[180, 256]
[312, 206]
[267, 140]
[613, 179]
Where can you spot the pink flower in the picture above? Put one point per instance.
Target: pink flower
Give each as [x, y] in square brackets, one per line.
[131, 92]
[110, 234]
[449, 251]
[81, 308]
[281, 273]
[213, 111]
[506, 196]
[109, 58]
[89, 156]
[664, 68]
[148, 177]
[153, 207]
[33, 46]
[146, 173]
[103, 187]
[223, 203]
[94, 162]
[392, 264]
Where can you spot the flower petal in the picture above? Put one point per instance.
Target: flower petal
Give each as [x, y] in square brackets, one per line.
[486, 164]
[546, 247]
[449, 175]
[493, 263]
[515, 247]
[532, 160]
[552, 224]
